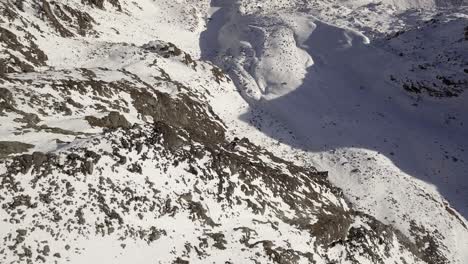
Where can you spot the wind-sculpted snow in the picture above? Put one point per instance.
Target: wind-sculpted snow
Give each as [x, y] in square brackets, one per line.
[308, 142]
[367, 109]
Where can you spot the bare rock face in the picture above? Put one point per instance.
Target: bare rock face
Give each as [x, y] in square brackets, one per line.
[32, 56]
[100, 3]
[11, 147]
[7, 102]
[113, 120]
[67, 20]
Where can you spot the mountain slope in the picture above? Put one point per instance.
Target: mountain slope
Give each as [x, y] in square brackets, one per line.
[336, 94]
[118, 145]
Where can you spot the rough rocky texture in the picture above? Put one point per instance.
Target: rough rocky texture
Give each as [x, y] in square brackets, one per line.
[100, 3]
[11, 147]
[234, 175]
[33, 56]
[436, 60]
[6, 102]
[113, 120]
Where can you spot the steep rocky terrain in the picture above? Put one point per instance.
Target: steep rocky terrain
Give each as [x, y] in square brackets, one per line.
[160, 131]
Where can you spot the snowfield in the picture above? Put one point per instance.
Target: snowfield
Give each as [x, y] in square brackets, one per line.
[332, 88]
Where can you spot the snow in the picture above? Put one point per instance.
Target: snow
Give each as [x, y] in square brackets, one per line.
[327, 85]
[310, 83]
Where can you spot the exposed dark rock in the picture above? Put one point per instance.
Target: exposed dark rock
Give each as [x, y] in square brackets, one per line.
[155, 234]
[6, 100]
[11, 147]
[33, 56]
[168, 50]
[219, 238]
[180, 261]
[113, 121]
[428, 247]
[49, 15]
[219, 75]
[182, 112]
[100, 3]
[30, 120]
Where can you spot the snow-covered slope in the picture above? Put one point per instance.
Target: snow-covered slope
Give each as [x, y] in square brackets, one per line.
[348, 102]
[121, 141]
